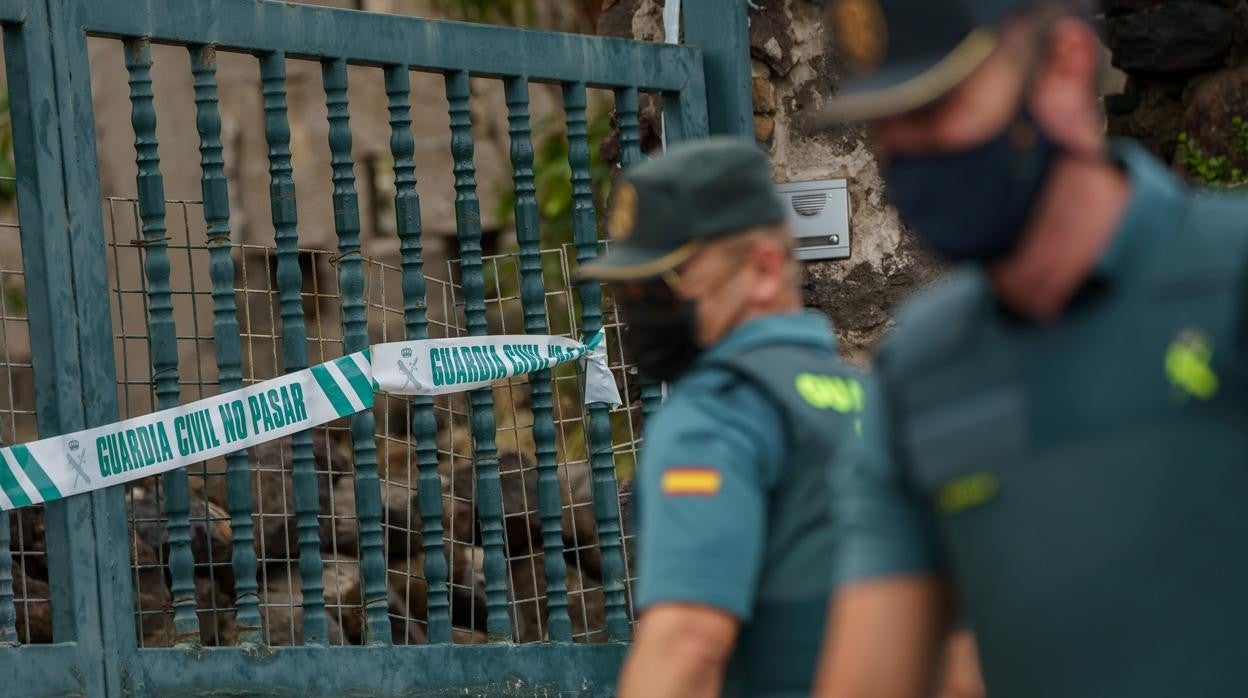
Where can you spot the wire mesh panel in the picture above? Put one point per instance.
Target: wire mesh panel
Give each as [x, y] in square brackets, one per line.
[272, 489]
[553, 517]
[275, 545]
[25, 597]
[515, 419]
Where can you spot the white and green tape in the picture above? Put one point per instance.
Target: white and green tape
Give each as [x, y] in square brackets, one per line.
[91, 459]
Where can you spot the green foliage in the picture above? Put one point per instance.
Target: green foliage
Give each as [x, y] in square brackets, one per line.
[510, 12]
[552, 176]
[14, 296]
[1220, 169]
[8, 169]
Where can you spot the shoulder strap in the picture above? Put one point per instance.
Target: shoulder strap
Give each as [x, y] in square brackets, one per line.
[775, 370]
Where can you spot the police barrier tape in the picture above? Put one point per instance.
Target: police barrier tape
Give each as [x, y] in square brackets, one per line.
[103, 456]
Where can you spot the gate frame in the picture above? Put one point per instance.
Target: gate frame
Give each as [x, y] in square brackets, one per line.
[58, 203]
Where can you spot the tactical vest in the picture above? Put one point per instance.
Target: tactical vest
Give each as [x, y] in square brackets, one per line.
[777, 650]
[1090, 479]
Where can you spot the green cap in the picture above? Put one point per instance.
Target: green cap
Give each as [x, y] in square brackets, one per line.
[664, 210]
[905, 54]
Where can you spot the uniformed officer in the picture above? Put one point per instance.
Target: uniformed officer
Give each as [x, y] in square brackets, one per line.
[1062, 422]
[734, 556]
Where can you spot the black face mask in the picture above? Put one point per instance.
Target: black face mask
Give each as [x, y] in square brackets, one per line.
[973, 205]
[662, 337]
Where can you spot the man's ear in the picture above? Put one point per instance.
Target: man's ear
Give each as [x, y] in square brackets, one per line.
[1063, 93]
[768, 260]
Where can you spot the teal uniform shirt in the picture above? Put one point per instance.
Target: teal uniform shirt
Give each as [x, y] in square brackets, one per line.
[722, 514]
[1084, 484]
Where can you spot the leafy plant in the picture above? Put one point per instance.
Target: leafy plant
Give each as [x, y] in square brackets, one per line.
[1220, 169]
[14, 296]
[552, 176]
[8, 169]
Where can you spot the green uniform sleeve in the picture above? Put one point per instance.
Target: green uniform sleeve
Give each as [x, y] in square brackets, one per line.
[880, 527]
[705, 470]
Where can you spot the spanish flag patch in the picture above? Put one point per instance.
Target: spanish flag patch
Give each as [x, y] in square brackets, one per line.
[691, 481]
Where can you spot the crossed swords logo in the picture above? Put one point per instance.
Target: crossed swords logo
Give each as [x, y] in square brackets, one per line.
[76, 463]
[408, 369]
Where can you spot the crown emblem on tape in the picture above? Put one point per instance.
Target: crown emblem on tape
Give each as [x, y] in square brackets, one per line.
[406, 353]
[623, 216]
[860, 30]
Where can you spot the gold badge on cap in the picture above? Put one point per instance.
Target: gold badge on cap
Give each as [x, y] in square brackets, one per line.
[861, 33]
[623, 211]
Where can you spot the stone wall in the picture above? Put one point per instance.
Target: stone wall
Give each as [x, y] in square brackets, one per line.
[1186, 66]
[794, 71]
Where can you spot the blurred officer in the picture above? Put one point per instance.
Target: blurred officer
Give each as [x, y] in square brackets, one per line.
[1063, 422]
[734, 555]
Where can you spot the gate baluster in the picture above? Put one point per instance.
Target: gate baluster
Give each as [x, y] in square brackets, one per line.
[489, 487]
[294, 340]
[226, 339]
[416, 323]
[162, 331]
[533, 300]
[602, 461]
[630, 154]
[355, 338]
[8, 614]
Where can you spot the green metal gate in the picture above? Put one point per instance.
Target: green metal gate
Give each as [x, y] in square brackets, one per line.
[92, 545]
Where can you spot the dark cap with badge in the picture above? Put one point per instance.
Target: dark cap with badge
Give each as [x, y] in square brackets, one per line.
[664, 210]
[905, 54]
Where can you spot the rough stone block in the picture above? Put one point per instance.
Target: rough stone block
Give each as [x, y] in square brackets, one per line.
[1120, 7]
[1211, 105]
[771, 38]
[1155, 120]
[1171, 37]
[764, 96]
[764, 128]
